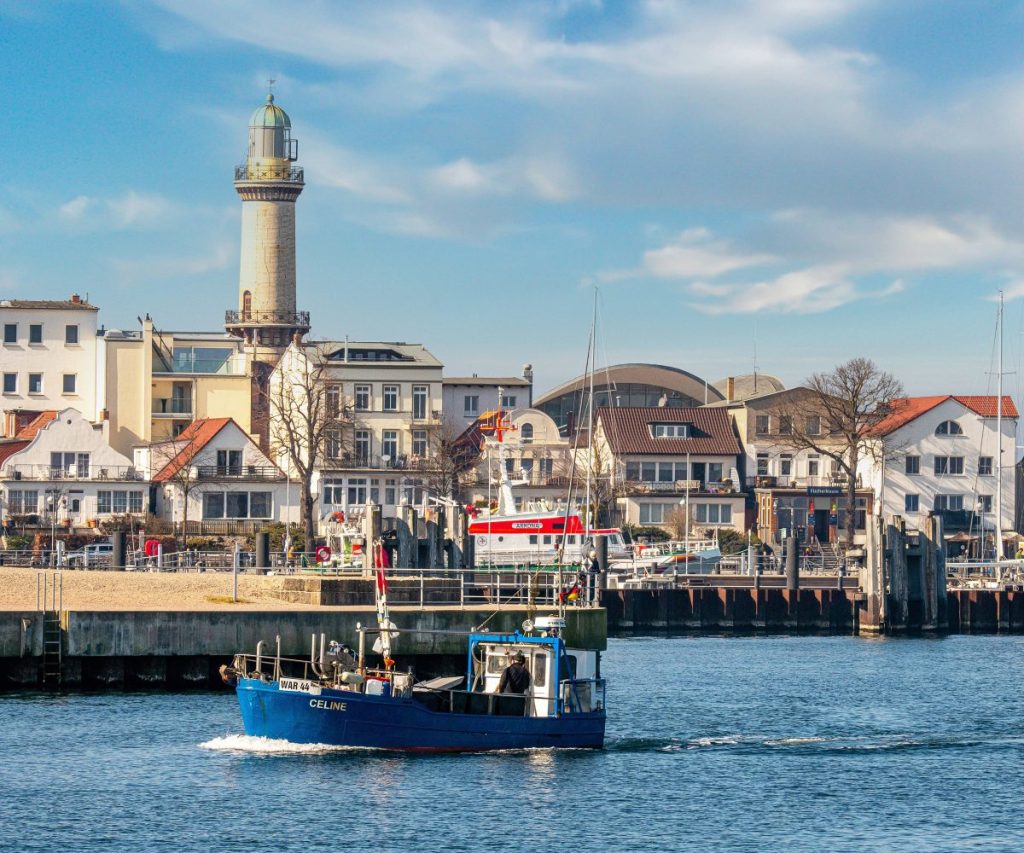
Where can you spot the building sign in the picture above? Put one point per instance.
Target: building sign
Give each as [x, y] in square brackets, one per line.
[824, 491]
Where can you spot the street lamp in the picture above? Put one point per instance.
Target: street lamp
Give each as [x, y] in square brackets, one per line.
[54, 502]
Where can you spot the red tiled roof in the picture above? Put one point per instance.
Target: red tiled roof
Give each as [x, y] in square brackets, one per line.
[627, 430]
[9, 448]
[906, 409]
[41, 420]
[986, 406]
[192, 439]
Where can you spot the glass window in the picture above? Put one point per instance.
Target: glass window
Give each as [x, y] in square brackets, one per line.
[103, 502]
[71, 334]
[785, 425]
[813, 425]
[70, 382]
[10, 383]
[471, 405]
[229, 462]
[213, 505]
[390, 398]
[647, 472]
[681, 473]
[35, 383]
[812, 466]
[508, 401]
[357, 490]
[725, 514]
[390, 493]
[419, 401]
[10, 333]
[362, 398]
[333, 401]
[259, 504]
[35, 333]
[666, 472]
[700, 513]
[762, 464]
[785, 465]
[714, 472]
[120, 502]
[237, 505]
[389, 442]
[949, 428]
[419, 442]
[984, 503]
[135, 501]
[912, 464]
[362, 446]
[526, 433]
[911, 503]
[761, 424]
[984, 465]
[333, 445]
[633, 471]
[540, 670]
[956, 464]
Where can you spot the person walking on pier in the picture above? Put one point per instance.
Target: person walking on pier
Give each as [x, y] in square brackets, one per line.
[516, 677]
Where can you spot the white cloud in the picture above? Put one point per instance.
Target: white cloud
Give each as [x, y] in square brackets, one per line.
[696, 255]
[130, 210]
[141, 269]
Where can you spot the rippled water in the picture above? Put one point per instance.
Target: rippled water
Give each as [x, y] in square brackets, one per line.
[714, 744]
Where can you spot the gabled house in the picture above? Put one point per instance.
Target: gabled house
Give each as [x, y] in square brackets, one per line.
[215, 477]
[61, 471]
[940, 455]
[664, 460]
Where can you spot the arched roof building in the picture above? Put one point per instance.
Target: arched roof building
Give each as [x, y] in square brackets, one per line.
[626, 385]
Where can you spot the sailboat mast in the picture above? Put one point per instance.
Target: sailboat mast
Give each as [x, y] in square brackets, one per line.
[590, 413]
[999, 440]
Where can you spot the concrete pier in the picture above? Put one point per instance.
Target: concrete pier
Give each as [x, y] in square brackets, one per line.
[179, 648]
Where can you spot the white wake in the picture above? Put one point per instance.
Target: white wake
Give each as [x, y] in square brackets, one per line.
[267, 745]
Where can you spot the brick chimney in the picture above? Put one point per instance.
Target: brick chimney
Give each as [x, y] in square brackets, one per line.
[730, 389]
[76, 299]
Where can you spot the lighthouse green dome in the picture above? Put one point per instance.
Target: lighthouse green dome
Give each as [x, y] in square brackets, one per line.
[270, 115]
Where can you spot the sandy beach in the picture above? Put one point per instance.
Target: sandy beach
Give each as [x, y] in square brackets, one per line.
[101, 590]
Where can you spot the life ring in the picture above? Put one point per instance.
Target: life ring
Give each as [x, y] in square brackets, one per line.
[323, 554]
[338, 516]
[151, 547]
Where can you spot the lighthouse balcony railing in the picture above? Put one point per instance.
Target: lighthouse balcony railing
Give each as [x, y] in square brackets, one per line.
[298, 319]
[290, 174]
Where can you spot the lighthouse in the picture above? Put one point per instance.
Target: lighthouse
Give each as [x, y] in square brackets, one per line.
[269, 183]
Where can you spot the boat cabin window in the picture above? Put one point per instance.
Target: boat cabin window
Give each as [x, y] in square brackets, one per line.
[572, 539]
[496, 663]
[569, 666]
[547, 539]
[533, 538]
[539, 670]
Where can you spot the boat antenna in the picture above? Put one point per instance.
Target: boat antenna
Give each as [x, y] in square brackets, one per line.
[999, 446]
[590, 416]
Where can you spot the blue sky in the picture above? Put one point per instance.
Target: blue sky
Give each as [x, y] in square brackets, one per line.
[796, 181]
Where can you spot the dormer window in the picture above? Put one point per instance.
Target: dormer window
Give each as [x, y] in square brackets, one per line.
[670, 430]
[949, 428]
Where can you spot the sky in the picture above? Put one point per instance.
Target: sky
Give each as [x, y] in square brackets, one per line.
[779, 184]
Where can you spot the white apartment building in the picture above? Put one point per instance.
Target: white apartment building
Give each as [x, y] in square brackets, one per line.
[941, 456]
[465, 398]
[387, 398]
[49, 359]
[66, 474]
[227, 482]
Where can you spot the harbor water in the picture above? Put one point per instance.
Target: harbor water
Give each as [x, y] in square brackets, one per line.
[714, 743]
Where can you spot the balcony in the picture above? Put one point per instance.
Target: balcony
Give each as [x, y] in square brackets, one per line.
[170, 408]
[286, 174]
[375, 462]
[263, 473]
[290, 319]
[73, 473]
[232, 364]
[676, 487]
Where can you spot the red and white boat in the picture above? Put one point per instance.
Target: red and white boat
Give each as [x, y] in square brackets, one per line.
[533, 535]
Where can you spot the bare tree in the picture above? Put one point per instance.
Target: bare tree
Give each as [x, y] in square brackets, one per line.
[837, 416]
[453, 453]
[308, 416]
[173, 460]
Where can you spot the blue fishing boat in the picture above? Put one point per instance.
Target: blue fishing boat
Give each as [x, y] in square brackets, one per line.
[333, 699]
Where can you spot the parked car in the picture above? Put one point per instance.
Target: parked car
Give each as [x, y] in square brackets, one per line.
[93, 554]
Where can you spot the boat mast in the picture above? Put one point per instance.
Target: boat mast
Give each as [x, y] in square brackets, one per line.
[590, 414]
[999, 440]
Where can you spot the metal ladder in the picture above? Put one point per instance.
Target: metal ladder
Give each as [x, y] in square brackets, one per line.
[49, 601]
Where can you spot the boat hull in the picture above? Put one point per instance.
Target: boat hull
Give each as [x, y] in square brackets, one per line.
[342, 718]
